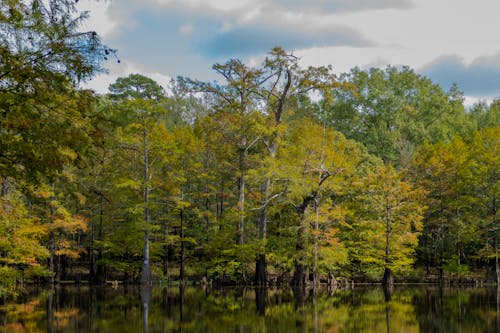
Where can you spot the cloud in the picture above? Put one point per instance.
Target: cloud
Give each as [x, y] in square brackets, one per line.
[260, 35]
[164, 38]
[336, 6]
[187, 38]
[481, 77]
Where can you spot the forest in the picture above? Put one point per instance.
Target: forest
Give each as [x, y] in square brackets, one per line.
[274, 174]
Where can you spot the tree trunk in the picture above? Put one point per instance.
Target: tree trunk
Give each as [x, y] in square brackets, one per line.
[101, 272]
[332, 281]
[388, 291]
[495, 240]
[165, 249]
[96, 266]
[220, 203]
[260, 270]
[496, 268]
[52, 248]
[260, 265]
[92, 273]
[299, 276]
[207, 212]
[182, 272]
[58, 269]
[241, 197]
[146, 275]
[315, 274]
[51, 258]
[388, 279]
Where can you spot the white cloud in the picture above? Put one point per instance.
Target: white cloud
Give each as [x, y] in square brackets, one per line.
[471, 100]
[174, 37]
[99, 19]
[336, 6]
[187, 29]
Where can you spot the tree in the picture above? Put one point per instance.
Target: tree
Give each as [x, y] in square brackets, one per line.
[450, 224]
[44, 118]
[393, 111]
[136, 86]
[138, 95]
[389, 220]
[485, 150]
[267, 88]
[21, 235]
[61, 225]
[97, 184]
[315, 163]
[44, 55]
[484, 116]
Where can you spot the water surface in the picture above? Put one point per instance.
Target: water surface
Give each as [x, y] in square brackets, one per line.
[190, 309]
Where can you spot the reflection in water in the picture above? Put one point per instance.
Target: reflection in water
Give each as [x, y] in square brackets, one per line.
[300, 311]
[260, 300]
[145, 297]
[181, 306]
[498, 309]
[180, 309]
[388, 291]
[50, 312]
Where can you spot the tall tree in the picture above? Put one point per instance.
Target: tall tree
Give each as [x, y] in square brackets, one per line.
[450, 227]
[486, 185]
[138, 95]
[315, 162]
[393, 111]
[61, 224]
[390, 219]
[267, 88]
[44, 55]
[21, 236]
[136, 86]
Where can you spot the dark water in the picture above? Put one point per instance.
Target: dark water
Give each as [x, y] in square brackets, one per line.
[362, 309]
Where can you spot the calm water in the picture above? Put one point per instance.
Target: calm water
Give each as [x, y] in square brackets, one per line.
[408, 309]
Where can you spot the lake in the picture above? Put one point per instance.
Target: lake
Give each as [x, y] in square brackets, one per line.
[191, 309]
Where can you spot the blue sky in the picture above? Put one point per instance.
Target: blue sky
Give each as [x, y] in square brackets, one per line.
[450, 41]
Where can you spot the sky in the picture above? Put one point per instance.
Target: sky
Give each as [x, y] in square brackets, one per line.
[449, 41]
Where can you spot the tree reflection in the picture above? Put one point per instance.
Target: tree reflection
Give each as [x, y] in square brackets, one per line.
[234, 310]
[388, 291]
[145, 298]
[260, 300]
[497, 319]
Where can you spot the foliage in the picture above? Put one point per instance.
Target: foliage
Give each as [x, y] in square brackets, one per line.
[42, 115]
[380, 170]
[393, 111]
[387, 221]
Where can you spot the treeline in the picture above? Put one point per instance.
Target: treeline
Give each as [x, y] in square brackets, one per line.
[274, 174]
